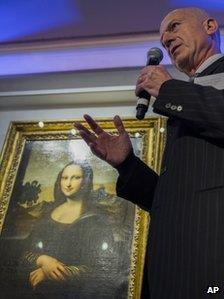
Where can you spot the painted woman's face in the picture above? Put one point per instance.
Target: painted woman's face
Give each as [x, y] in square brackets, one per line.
[71, 179]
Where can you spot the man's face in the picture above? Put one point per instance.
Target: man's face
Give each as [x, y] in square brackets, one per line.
[184, 36]
[71, 179]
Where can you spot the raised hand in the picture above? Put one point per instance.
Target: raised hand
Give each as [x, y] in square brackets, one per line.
[110, 148]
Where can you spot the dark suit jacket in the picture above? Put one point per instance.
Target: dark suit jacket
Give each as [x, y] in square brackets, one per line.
[186, 241]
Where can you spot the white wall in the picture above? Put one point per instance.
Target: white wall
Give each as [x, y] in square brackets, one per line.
[68, 96]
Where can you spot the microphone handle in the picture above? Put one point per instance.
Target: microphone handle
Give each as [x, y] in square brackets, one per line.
[142, 107]
[144, 96]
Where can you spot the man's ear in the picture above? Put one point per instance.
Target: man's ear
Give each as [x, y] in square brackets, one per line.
[211, 26]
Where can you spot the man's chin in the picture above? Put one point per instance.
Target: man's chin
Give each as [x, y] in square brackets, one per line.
[180, 64]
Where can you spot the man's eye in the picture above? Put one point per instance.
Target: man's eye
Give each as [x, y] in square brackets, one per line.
[174, 26]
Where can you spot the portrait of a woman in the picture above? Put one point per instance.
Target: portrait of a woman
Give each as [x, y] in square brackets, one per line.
[72, 250]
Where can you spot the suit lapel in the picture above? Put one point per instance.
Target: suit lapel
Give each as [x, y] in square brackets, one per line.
[215, 68]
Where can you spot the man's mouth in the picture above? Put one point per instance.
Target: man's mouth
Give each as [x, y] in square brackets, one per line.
[173, 49]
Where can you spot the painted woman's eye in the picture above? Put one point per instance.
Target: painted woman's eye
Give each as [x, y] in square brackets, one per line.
[77, 177]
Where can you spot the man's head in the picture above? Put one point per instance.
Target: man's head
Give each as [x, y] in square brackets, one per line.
[190, 36]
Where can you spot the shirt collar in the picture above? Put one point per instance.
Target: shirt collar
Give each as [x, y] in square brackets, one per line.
[208, 62]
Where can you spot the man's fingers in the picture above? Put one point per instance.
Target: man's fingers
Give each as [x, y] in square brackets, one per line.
[93, 125]
[119, 124]
[80, 127]
[140, 87]
[141, 78]
[88, 138]
[149, 69]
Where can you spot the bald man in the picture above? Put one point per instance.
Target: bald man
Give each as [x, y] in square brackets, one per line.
[186, 201]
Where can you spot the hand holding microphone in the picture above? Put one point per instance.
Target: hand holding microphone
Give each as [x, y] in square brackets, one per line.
[150, 80]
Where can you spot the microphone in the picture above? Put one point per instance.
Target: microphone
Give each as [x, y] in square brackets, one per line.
[154, 57]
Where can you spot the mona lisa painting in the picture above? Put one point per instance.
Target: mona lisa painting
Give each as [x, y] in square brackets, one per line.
[64, 232]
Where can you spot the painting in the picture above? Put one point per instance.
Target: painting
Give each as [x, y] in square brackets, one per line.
[64, 232]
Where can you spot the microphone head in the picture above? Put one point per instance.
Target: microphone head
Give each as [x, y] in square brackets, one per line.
[154, 56]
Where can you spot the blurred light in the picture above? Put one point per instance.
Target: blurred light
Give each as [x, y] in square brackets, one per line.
[41, 124]
[105, 246]
[40, 245]
[78, 59]
[73, 132]
[21, 18]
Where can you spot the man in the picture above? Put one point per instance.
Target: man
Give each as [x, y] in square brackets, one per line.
[186, 202]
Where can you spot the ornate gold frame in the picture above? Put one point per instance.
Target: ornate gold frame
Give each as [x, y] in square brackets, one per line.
[150, 130]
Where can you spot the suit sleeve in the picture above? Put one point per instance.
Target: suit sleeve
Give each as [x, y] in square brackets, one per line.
[136, 182]
[200, 107]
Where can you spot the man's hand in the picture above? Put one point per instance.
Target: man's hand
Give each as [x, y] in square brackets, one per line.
[110, 148]
[151, 78]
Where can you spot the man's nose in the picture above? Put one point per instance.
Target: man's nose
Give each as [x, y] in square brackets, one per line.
[168, 38]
